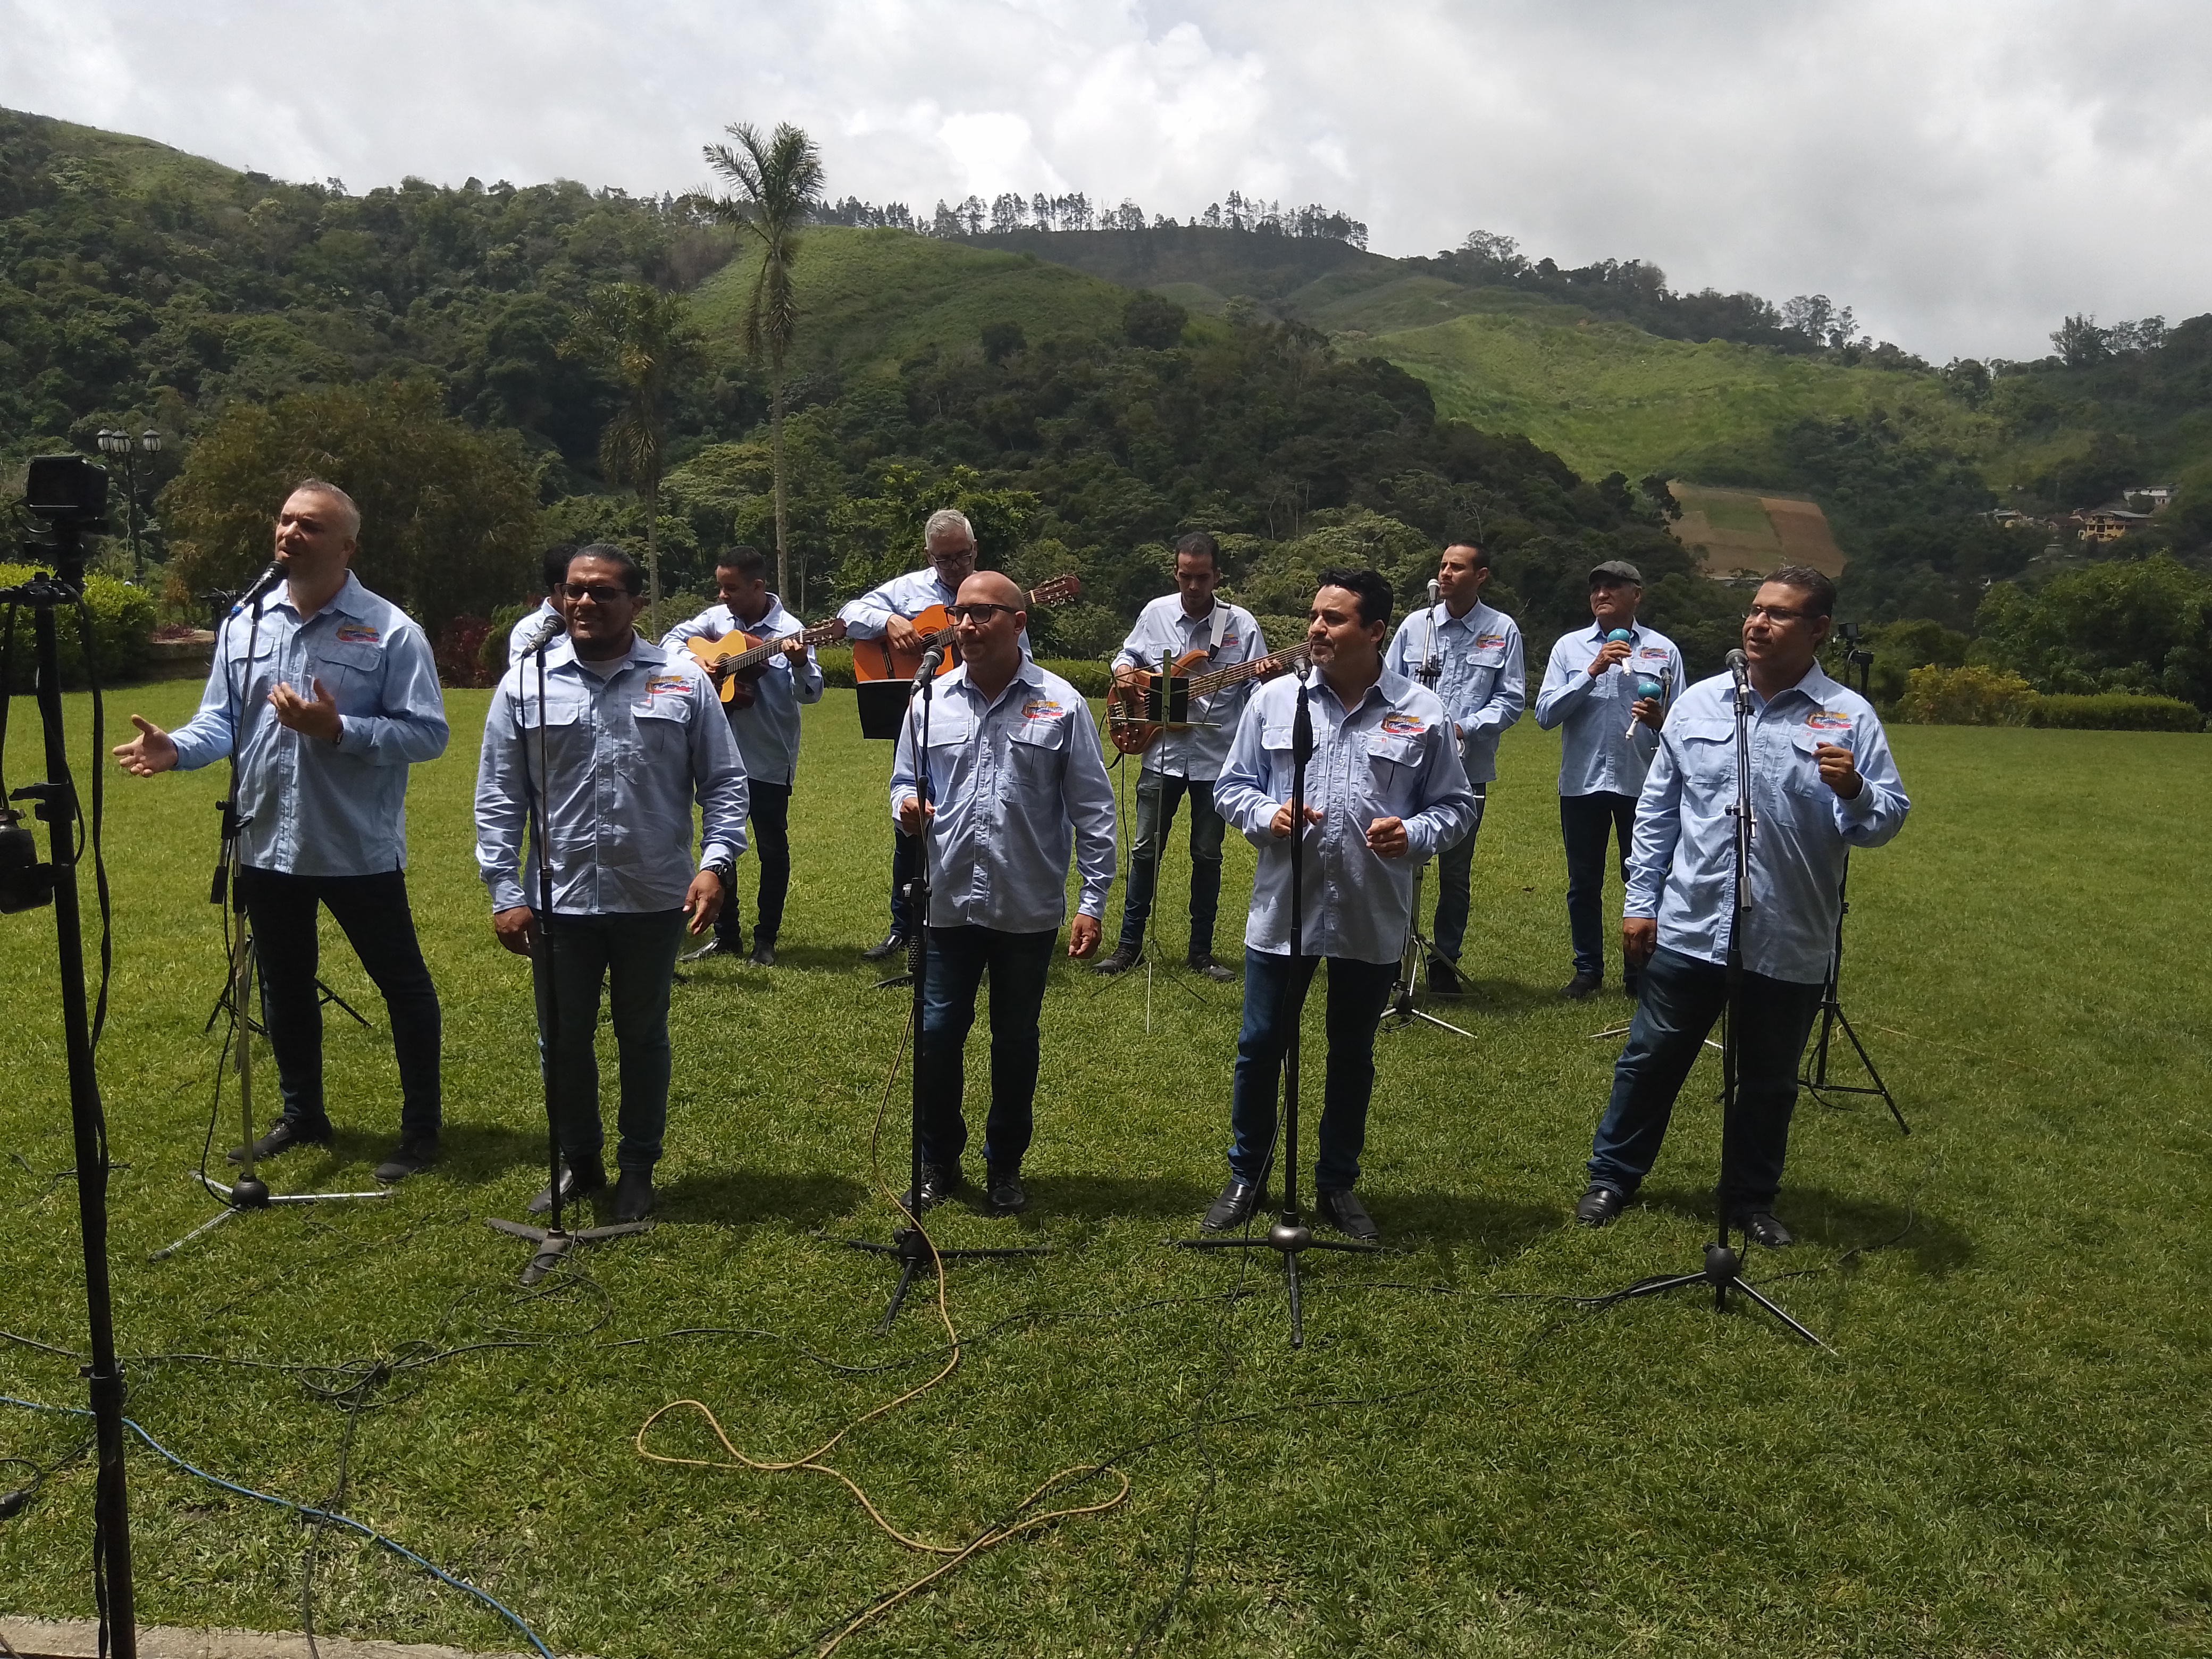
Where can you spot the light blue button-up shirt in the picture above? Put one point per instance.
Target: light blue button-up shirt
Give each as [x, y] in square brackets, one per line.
[627, 755]
[1391, 756]
[1013, 779]
[906, 596]
[519, 636]
[312, 808]
[767, 732]
[1482, 680]
[1681, 866]
[1598, 752]
[1199, 751]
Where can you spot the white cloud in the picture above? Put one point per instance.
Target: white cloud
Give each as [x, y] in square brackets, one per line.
[1963, 173]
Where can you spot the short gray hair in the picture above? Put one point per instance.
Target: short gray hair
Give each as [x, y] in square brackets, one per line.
[943, 520]
[324, 487]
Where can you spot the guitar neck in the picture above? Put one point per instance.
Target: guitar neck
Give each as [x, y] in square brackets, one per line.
[1258, 668]
[820, 633]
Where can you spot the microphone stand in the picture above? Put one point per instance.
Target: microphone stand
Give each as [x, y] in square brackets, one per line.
[1814, 1079]
[1723, 1269]
[1419, 948]
[1290, 1235]
[556, 1241]
[910, 1246]
[248, 1191]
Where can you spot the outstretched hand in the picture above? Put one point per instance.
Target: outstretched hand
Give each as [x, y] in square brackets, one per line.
[150, 752]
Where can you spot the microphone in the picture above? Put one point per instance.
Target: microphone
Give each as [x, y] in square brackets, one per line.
[262, 586]
[1434, 592]
[543, 636]
[931, 659]
[1740, 667]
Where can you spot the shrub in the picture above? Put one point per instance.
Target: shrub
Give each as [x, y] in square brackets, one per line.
[460, 651]
[2116, 711]
[1964, 696]
[121, 619]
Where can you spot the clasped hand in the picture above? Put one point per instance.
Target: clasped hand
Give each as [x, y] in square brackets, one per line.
[318, 719]
[1386, 837]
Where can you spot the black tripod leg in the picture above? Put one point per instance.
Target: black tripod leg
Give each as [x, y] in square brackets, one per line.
[908, 1270]
[1867, 1060]
[1763, 1302]
[1297, 1310]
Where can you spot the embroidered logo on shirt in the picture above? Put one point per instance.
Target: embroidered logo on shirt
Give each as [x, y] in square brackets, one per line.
[1652, 653]
[1042, 709]
[1400, 725]
[1828, 719]
[357, 634]
[660, 683]
[1484, 641]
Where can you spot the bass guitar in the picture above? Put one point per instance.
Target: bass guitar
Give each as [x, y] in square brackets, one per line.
[879, 659]
[737, 659]
[1136, 715]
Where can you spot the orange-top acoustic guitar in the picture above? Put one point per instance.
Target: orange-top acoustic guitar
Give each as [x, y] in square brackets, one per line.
[879, 659]
[737, 659]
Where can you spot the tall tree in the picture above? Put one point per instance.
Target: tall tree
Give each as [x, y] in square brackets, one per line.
[645, 340]
[776, 185]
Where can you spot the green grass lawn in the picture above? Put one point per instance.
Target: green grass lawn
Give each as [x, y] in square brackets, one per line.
[2006, 1453]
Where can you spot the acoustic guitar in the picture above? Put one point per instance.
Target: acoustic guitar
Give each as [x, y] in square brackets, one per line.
[879, 659]
[1136, 714]
[737, 659]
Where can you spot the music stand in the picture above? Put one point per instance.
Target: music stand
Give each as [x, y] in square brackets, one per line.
[553, 1242]
[1723, 1267]
[910, 1246]
[1290, 1235]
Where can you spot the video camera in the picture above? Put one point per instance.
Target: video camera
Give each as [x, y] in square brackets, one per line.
[70, 493]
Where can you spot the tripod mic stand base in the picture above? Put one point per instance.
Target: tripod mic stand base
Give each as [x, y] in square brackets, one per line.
[555, 1243]
[910, 1246]
[1291, 1237]
[1723, 1272]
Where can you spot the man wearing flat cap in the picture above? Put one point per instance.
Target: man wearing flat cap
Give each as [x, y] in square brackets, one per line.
[1608, 686]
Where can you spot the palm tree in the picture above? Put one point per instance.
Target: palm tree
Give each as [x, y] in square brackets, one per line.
[778, 184]
[646, 339]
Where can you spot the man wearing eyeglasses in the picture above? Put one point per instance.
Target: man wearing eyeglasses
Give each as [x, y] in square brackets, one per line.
[1011, 776]
[1821, 781]
[887, 613]
[632, 735]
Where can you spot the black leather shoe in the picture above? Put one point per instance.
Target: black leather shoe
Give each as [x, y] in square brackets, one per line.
[579, 1179]
[1443, 978]
[1580, 986]
[633, 1195]
[1203, 963]
[1233, 1209]
[938, 1182]
[411, 1157]
[1007, 1194]
[1119, 960]
[1761, 1227]
[894, 942]
[1599, 1205]
[285, 1132]
[1343, 1211]
[763, 954]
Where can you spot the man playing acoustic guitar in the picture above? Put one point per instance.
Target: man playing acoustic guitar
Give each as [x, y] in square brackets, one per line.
[766, 726]
[1196, 632]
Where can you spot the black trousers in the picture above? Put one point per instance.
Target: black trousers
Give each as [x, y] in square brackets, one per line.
[1586, 823]
[770, 816]
[372, 912]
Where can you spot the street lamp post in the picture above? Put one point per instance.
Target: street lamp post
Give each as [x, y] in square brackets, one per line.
[120, 443]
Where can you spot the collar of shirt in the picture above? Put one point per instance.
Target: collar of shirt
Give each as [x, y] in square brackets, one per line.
[348, 601]
[956, 680]
[642, 653]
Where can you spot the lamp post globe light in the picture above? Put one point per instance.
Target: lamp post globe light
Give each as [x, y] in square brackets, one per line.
[118, 442]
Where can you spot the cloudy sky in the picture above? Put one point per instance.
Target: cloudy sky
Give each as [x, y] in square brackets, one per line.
[1963, 174]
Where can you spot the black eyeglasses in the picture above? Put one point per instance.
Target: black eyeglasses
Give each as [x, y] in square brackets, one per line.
[1775, 613]
[978, 613]
[597, 595]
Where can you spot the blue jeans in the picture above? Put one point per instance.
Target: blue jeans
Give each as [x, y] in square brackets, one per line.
[372, 912]
[958, 959]
[1454, 888]
[1271, 1021]
[770, 813]
[1585, 823]
[633, 956]
[1155, 822]
[1681, 999]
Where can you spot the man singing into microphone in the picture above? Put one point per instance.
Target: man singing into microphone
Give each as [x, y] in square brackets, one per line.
[634, 734]
[1384, 790]
[340, 697]
[1014, 774]
[1821, 781]
[1480, 677]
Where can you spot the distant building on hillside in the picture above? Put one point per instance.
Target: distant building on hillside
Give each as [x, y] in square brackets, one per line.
[2007, 518]
[2153, 497]
[2109, 523]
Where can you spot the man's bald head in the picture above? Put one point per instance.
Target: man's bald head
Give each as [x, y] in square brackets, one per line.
[990, 587]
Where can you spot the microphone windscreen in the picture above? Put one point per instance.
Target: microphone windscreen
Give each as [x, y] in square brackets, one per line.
[1619, 636]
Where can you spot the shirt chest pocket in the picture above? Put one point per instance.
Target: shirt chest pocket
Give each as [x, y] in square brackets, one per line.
[1801, 761]
[1706, 753]
[1392, 762]
[663, 722]
[1037, 750]
[350, 672]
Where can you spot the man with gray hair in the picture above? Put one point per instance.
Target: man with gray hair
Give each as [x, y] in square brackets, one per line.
[887, 613]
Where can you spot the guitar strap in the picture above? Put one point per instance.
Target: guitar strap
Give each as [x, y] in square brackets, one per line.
[1220, 629]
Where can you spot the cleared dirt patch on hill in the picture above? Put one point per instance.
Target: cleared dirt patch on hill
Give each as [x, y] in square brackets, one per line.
[1740, 532]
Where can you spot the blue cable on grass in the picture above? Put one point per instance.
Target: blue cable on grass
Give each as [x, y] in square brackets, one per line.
[312, 1513]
